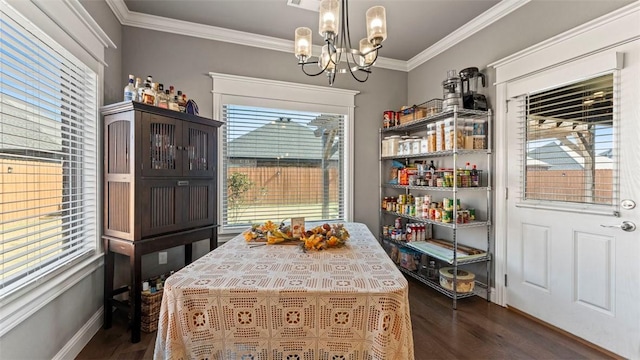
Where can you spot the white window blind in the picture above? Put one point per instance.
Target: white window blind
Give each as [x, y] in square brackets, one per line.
[48, 164]
[568, 136]
[281, 163]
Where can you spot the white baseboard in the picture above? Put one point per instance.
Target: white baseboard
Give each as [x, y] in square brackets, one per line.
[82, 337]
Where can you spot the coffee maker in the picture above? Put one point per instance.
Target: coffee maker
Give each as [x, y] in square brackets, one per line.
[469, 78]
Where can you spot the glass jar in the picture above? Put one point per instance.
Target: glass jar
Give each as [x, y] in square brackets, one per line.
[432, 271]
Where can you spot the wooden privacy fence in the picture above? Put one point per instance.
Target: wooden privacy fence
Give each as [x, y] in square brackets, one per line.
[29, 188]
[288, 185]
[568, 185]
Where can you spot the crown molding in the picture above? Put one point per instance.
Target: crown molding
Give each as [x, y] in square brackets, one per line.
[591, 25]
[119, 9]
[90, 23]
[158, 23]
[497, 12]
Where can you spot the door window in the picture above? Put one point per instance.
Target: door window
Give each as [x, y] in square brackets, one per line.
[569, 149]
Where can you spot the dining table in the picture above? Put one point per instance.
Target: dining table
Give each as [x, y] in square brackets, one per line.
[246, 301]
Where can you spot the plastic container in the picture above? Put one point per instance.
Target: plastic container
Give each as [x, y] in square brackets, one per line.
[394, 142]
[479, 142]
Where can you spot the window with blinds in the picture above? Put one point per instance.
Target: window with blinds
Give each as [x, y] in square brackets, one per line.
[48, 158]
[569, 143]
[280, 164]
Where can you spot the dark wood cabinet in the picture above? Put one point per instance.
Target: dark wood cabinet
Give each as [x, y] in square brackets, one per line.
[159, 189]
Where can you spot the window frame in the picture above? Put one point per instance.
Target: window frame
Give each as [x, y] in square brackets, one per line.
[56, 23]
[247, 91]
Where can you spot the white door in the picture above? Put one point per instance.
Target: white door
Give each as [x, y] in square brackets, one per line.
[569, 261]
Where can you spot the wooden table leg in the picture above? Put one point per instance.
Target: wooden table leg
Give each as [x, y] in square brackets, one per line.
[213, 240]
[188, 254]
[108, 284]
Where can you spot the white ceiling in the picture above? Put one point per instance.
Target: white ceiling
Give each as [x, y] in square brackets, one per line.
[414, 26]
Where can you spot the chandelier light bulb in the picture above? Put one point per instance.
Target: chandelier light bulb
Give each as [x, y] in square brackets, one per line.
[368, 55]
[327, 59]
[376, 25]
[329, 17]
[303, 43]
[337, 55]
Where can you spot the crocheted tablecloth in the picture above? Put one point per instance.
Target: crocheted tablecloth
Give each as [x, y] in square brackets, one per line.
[279, 302]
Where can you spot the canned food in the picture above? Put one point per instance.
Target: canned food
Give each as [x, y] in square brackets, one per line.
[389, 119]
[447, 216]
[447, 204]
[462, 216]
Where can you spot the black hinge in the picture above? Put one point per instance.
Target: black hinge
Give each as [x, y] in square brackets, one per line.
[506, 284]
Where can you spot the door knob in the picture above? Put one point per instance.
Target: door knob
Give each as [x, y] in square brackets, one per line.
[626, 226]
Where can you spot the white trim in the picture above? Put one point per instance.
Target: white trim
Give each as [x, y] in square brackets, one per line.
[119, 9]
[557, 53]
[90, 23]
[500, 178]
[13, 311]
[497, 12]
[341, 100]
[76, 22]
[280, 90]
[81, 338]
[600, 34]
[158, 23]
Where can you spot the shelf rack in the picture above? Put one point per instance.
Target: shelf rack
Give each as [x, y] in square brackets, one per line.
[420, 125]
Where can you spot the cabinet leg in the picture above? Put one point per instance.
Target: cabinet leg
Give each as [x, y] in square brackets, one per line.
[108, 284]
[136, 297]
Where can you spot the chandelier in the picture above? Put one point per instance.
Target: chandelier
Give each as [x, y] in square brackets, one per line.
[338, 56]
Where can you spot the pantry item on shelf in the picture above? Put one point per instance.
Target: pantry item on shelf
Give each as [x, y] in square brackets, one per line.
[452, 91]
[389, 119]
[465, 280]
[407, 259]
[471, 99]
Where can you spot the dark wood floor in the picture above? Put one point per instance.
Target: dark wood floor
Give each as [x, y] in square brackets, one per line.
[476, 330]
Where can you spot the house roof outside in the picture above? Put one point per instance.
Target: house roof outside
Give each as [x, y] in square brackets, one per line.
[560, 157]
[41, 137]
[264, 142]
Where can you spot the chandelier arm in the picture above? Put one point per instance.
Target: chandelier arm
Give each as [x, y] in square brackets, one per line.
[336, 45]
[346, 34]
[331, 47]
[353, 75]
[357, 68]
[310, 74]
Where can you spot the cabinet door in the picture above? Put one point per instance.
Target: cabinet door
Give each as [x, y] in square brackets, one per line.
[199, 143]
[198, 201]
[175, 204]
[160, 142]
[160, 205]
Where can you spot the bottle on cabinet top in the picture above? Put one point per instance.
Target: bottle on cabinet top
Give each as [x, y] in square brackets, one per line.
[130, 90]
[154, 93]
[162, 98]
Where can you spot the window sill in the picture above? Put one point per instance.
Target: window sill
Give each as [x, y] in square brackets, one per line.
[17, 307]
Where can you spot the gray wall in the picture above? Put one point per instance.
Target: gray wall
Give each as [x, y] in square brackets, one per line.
[113, 81]
[186, 61]
[46, 332]
[532, 23]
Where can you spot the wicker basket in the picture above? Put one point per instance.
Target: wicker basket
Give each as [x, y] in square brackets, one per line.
[150, 306]
[416, 112]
